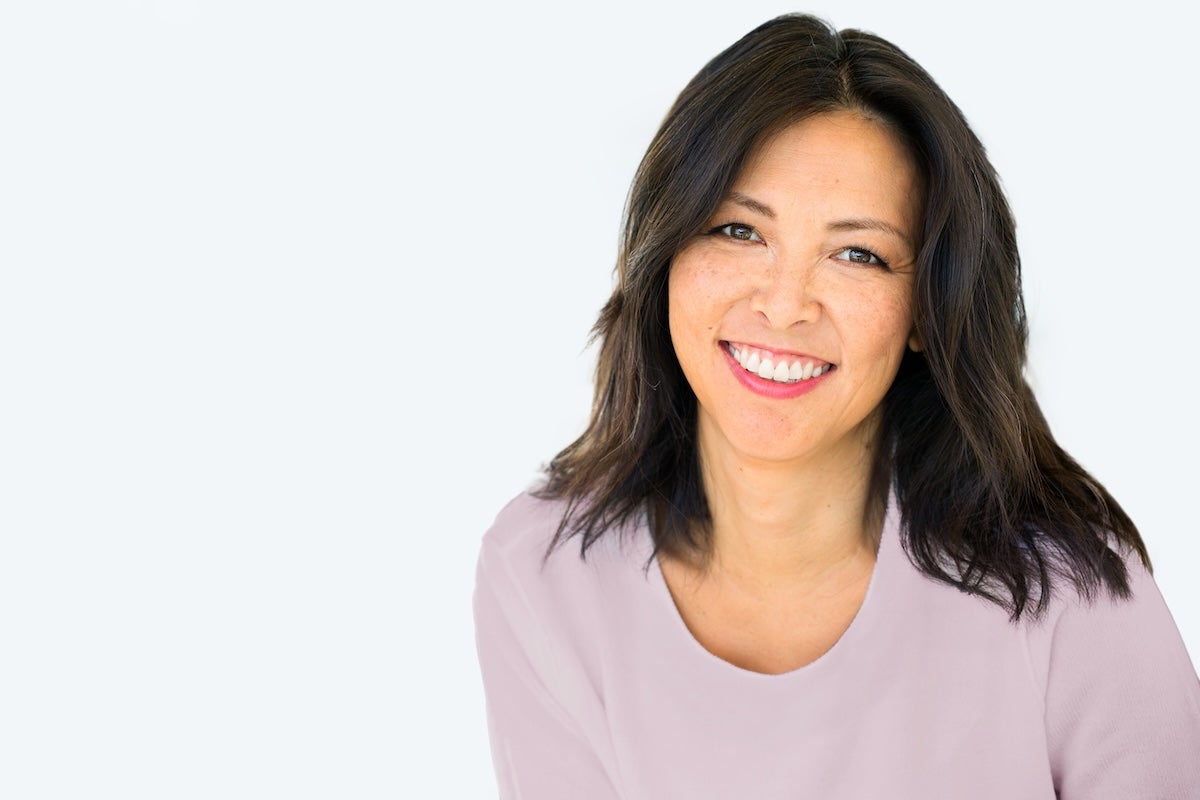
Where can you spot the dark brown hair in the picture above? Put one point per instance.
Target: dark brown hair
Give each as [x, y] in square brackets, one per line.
[990, 503]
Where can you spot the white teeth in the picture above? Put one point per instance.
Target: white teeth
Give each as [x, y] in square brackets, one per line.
[781, 372]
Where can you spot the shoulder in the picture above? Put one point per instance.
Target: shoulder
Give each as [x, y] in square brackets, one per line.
[1120, 692]
[1105, 622]
[519, 538]
[1079, 634]
[528, 523]
[523, 520]
[561, 609]
[515, 555]
[1072, 634]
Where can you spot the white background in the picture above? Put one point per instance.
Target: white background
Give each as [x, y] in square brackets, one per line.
[295, 297]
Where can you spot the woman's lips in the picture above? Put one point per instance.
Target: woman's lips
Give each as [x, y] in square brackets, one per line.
[819, 372]
[777, 366]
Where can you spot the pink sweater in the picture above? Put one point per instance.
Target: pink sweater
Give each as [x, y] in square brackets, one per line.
[596, 689]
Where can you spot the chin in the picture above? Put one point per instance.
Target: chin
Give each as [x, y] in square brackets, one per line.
[757, 443]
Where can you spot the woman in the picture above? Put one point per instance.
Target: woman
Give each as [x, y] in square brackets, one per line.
[828, 546]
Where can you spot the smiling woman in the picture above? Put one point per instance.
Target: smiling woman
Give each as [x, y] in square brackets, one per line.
[819, 281]
[828, 545]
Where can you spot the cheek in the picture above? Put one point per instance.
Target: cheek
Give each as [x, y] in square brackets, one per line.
[676, 300]
[897, 311]
[693, 298]
[883, 321]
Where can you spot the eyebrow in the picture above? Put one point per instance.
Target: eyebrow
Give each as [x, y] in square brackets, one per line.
[869, 224]
[746, 201]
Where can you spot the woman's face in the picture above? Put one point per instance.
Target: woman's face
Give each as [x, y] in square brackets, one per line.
[790, 313]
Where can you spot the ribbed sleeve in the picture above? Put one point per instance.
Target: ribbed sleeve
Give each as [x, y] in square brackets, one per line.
[1122, 700]
[538, 751]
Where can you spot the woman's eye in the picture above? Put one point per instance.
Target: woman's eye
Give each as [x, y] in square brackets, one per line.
[859, 255]
[736, 230]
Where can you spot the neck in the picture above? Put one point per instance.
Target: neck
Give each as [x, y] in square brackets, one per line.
[785, 526]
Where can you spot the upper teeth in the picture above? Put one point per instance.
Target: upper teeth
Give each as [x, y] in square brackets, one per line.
[777, 369]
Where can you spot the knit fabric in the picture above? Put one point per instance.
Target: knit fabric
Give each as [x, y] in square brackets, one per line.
[596, 689]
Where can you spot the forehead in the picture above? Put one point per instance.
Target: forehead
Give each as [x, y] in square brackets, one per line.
[832, 162]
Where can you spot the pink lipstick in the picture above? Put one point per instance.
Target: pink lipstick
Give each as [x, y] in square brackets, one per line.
[770, 388]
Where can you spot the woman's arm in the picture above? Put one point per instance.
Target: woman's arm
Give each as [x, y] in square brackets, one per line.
[538, 750]
[1122, 700]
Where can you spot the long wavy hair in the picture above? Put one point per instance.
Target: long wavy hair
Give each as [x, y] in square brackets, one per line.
[989, 501]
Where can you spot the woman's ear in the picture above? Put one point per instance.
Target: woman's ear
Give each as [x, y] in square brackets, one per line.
[914, 341]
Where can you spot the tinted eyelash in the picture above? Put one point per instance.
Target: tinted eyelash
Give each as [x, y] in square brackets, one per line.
[882, 262]
[717, 230]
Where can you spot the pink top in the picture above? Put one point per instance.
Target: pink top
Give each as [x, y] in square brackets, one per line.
[597, 690]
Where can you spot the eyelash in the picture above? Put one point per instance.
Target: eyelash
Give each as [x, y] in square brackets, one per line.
[726, 230]
[728, 226]
[881, 263]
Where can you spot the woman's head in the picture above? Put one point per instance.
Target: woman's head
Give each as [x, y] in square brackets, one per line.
[785, 71]
[791, 310]
[958, 432]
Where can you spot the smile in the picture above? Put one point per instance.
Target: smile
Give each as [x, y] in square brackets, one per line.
[776, 367]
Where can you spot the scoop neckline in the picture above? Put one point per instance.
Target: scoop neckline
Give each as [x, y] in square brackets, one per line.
[838, 651]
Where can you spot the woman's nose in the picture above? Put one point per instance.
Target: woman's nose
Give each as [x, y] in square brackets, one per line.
[786, 294]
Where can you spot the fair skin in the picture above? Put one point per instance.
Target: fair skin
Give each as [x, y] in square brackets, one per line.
[808, 261]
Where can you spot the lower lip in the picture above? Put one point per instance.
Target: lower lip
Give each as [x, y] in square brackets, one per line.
[769, 388]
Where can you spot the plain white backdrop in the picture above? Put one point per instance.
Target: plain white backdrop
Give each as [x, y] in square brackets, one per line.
[296, 295]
